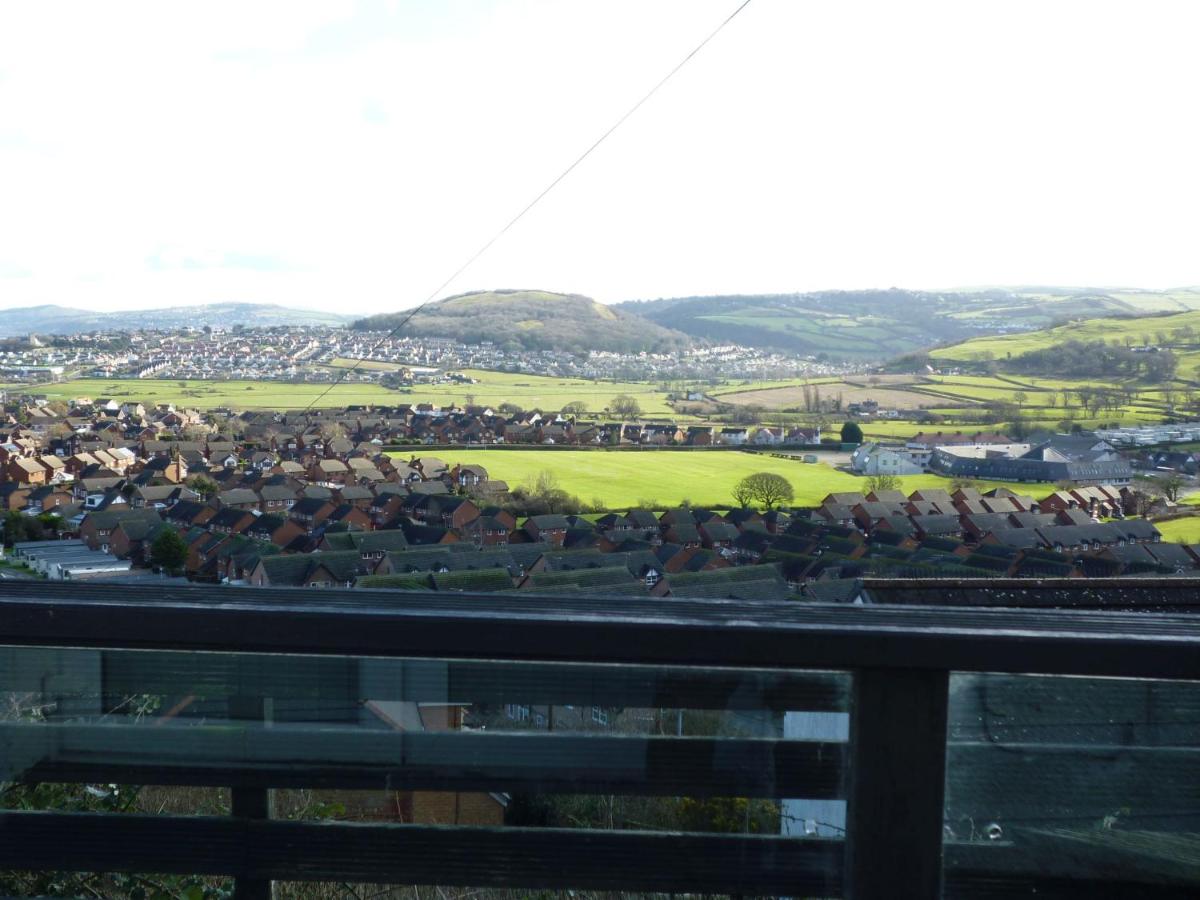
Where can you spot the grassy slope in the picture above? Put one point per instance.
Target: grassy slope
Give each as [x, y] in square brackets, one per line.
[533, 319]
[1105, 329]
[621, 479]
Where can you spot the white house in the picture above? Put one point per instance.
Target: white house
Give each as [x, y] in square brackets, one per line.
[877, 459]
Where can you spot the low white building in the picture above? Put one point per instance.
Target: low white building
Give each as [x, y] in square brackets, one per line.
[891, 459]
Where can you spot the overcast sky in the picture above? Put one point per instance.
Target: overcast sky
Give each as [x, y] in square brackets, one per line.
[352, 155]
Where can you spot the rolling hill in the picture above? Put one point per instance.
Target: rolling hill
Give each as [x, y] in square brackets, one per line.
[51, 319]
[1046, 351]
[877, 324]
[533, 320]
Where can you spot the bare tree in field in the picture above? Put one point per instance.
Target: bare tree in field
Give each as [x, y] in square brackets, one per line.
[743, 496]
[624, 407]
[877, 483]
[766, 489]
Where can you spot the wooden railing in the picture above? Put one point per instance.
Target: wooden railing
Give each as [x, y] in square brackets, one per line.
[618, 652]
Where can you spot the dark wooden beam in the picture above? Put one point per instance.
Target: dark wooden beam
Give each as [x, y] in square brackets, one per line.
[895, 807]
[413, 854]
[287, 755]
[421, 680]
[553, 629]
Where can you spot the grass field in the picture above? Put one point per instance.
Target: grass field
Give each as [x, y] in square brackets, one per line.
[792, 396]
[494, 388]
[1182, 531]
[738, 387]
[660, 479]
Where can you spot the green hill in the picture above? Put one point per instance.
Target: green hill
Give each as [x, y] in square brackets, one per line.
[533, 320]
[877, 324]
[1118, 346]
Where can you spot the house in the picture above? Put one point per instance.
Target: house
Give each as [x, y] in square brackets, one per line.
[315, 570]
[349, 517]
[718, 535]
[26, 470]
[230, 520]
[274, 528]
[329, 471]
[276, 498]
[938, 526]
[238, 498]
[97, 526]
[46, 498]
[370, 545]
[548, 528]
[187, 513]
[768, 437]
[132, 536]
[732, 437]
[310, 512]
[881, 459]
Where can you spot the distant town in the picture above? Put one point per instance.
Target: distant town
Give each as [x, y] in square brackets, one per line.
[320, 354]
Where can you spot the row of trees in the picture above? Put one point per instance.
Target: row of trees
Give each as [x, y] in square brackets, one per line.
[1096, 359]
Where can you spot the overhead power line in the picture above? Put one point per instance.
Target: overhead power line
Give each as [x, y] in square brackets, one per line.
[529, 206]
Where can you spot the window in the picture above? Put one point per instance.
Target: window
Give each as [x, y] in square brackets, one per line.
[599, 715]
[517, 712]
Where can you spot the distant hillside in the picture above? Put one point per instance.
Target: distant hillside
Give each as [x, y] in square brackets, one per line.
[65, 320]
[533, 320]
[1130, 345]
[878, 324]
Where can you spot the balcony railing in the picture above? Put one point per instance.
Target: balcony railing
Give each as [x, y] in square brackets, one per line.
[963, 751]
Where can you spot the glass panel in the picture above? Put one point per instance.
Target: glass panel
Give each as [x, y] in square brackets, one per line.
[1073, 778]
[426, 741]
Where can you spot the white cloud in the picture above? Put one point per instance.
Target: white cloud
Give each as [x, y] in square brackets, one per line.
[353, 155]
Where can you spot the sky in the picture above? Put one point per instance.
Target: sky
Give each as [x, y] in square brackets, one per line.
[351, 156]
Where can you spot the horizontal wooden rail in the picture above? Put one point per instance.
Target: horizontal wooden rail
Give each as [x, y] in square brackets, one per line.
[420, 680]
[262, 850]
[240, 755]
[624, 630]
[413, 854]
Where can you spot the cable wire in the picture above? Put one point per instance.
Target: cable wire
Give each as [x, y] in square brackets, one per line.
[529, 206]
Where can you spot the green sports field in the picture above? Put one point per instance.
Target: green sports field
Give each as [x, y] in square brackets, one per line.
[619, 479]
[1181, 531]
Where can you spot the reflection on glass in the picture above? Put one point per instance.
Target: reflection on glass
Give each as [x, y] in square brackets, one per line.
[1080, 778]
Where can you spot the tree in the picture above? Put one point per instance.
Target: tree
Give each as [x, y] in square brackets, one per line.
[204, 486]
[1144, 494]
[541, 496]
[852, 433]
[1018, 429]
[168, 551]
[624, 407]
[1169, 484]
[750, 414]
[509, 409]
[575, 409]
[743, 496]
[766, 489]
[877, 483]
[332, 431]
